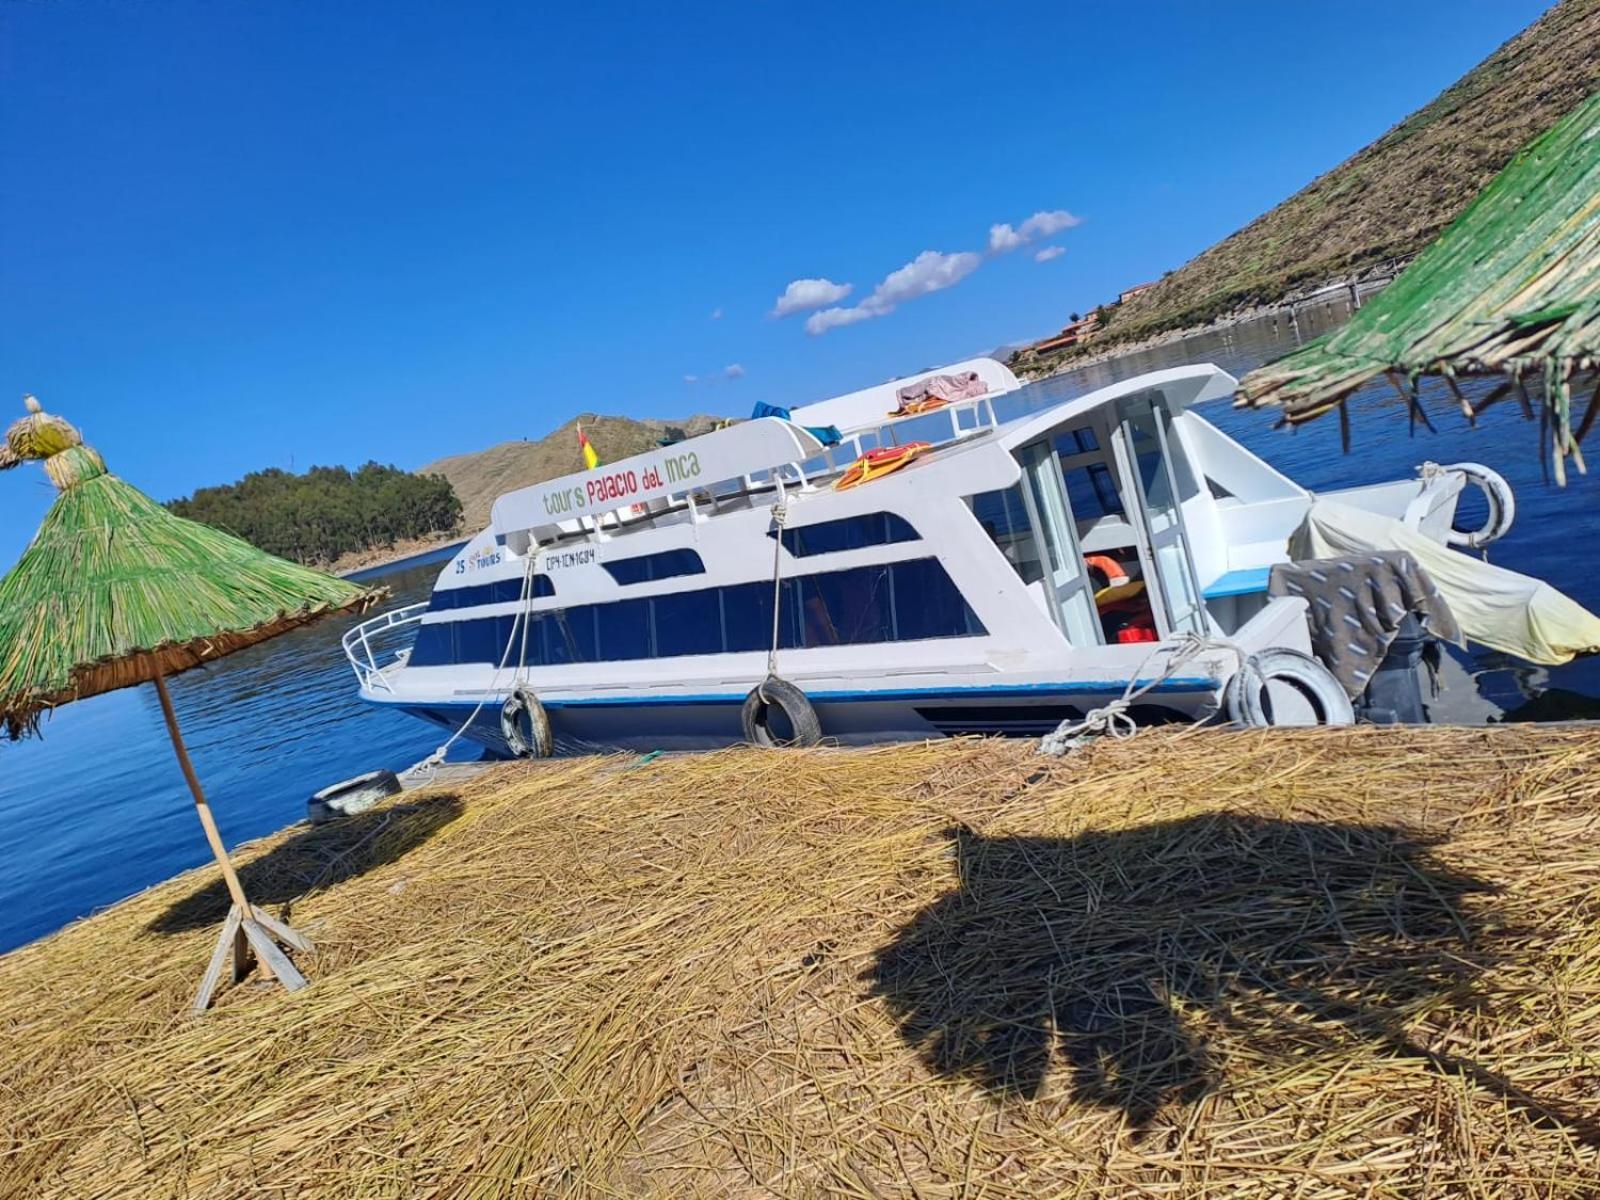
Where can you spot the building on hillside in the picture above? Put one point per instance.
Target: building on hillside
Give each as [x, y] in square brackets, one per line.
[1135, 290]
[1071, 335]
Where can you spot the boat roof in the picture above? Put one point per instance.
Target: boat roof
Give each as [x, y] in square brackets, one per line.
[1193, 383]
[738, 450]
[871, 407]
[770, 444]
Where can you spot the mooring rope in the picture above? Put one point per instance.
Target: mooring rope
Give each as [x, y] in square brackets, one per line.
[435, 760]
[1112, 720]
[780, 514]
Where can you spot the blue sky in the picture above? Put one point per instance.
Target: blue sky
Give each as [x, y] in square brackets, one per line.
[237, 235]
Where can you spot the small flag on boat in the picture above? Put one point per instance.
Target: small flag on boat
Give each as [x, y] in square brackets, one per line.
[591, 460]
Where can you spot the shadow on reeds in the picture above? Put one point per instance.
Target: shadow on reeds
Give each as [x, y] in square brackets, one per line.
[319, 857]
[1142, 964]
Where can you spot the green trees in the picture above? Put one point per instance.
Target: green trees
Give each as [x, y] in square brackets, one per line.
[315, 517]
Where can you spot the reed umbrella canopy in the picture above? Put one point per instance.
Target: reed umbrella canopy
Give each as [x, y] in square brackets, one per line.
[115, 590]
[1512, 288]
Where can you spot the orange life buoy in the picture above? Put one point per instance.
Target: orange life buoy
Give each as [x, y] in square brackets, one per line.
[1114, 572]
[876, 463]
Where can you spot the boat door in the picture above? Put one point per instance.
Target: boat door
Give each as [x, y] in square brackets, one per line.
[1068, 587]
[1151, 461]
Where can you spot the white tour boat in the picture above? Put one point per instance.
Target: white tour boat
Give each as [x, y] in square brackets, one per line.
[1009, 575]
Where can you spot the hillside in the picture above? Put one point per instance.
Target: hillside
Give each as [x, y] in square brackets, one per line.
[481, 476]
[1391, 199]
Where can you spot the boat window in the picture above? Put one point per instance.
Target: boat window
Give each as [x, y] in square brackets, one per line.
[848, 533]
[622, 630]
[501, 591]
[1004, 518]
[1092, 491]
[686, 623]
[900, 601]
[669, 564]
[1077, 441]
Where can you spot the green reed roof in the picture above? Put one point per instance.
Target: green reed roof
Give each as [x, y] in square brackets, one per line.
[1511, 288]
[114, 589]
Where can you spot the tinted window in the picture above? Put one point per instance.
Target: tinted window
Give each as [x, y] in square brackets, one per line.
[622, 630]
[902, 601]
[1005, 519]
[1092, 492]
[849, 533]
[927, 604]
[501, 591]
[847, 608]
[687, 623]
[667, 565]
[1076, 441]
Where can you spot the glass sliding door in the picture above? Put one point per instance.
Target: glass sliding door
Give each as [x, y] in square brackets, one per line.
[1067, 584]
[1151, 462]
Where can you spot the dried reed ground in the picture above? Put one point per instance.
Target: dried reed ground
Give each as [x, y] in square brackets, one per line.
[1299, 964]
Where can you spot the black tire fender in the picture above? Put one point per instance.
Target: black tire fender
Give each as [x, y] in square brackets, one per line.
[536, 741]
[1502, 506]
[756, 715]
[1246, 699]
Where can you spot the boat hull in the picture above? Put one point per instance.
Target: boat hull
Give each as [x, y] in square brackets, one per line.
[711, 721]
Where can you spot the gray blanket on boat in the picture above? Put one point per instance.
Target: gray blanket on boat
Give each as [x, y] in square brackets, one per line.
[1356, 605]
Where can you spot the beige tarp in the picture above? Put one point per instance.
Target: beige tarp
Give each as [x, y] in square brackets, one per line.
[1501, 609]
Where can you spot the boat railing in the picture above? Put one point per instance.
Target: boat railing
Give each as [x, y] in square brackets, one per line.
[370, 643]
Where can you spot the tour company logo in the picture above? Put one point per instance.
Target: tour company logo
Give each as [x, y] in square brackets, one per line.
[479, 559]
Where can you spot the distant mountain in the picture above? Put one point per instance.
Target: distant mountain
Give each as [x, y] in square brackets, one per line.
[1391, 199]
[480, 477]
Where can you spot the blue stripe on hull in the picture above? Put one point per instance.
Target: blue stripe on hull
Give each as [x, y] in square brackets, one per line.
[1021, 691]
[711, 720]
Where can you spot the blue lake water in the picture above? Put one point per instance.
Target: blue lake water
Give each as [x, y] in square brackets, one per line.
[96, 810]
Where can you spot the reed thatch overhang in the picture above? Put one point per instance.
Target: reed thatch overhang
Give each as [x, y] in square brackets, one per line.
[115, 589]
[1512, 288]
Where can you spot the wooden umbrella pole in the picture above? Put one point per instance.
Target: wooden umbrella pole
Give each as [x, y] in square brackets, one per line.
[246, 929]
[207, 821]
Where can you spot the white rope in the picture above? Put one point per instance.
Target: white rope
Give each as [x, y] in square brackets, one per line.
[1112, 720]
[427, 768]
[780, 514]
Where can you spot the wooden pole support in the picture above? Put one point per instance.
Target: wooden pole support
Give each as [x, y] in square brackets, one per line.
[247, 929]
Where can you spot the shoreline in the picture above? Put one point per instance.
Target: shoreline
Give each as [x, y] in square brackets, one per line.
[357, 562]
[1353, 289]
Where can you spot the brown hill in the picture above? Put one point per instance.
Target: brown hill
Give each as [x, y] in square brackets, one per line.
[479, 477]
[1388, 201]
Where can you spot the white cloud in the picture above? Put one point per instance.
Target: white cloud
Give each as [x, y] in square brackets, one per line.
[691, 379]
[803, 294]
[835, 318]
[1003, 239]
[716, 314]
[1048, 253]
[734, 371]
[930, 271]
[1048, 224]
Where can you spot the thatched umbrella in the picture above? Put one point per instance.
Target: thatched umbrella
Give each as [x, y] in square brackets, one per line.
[1512, 288]
[115, 591]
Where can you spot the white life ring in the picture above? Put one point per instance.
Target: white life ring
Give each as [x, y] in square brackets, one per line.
[1502, 506]
[1285, 687]
[534, 741]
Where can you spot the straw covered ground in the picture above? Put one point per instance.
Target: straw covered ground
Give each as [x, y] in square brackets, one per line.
[1278, 964]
